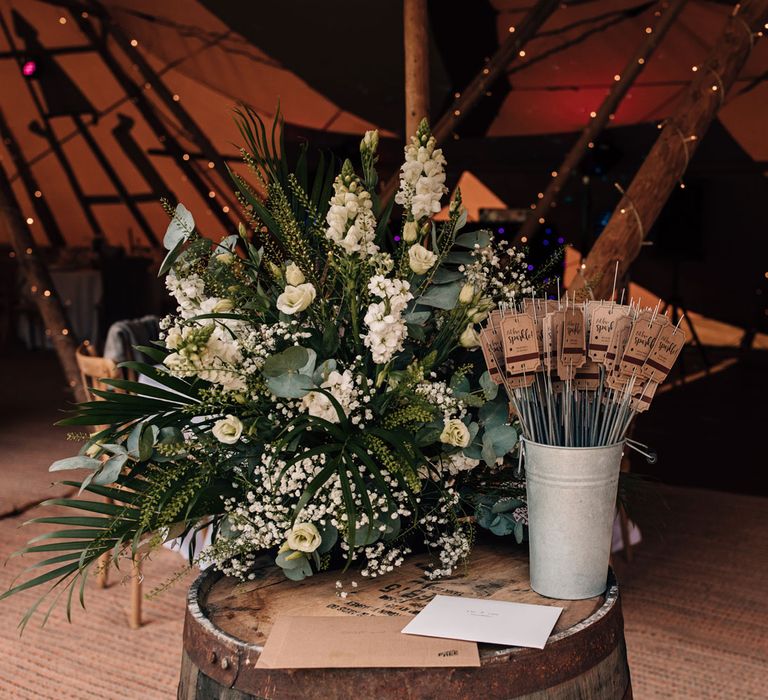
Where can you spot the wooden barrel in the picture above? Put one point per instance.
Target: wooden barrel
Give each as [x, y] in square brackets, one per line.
[227, 623]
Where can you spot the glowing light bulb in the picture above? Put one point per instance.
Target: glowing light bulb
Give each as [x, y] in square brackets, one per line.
[134, 43]
[30, 220]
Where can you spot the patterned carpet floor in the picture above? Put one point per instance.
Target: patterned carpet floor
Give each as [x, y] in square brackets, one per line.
[695, 597]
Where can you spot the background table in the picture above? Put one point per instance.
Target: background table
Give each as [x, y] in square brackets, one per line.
[227, 623]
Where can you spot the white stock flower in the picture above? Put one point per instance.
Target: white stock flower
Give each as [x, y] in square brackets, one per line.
[410, 231]
[341, 386]
[455, 433]
[304, 537]
[458, 462]
[228, 430]
[420, 260]
[470, 337]
[296, 299]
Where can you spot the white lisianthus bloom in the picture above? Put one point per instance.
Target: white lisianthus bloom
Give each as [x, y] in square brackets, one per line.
[467, 293]
[304, 537]
[228, 430]
[296, 299]
[420, 259]
[410, 231]
[469, 338]
[293, 275]
[455, 433]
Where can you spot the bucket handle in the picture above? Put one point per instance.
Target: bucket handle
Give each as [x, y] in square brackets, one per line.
[650, 456]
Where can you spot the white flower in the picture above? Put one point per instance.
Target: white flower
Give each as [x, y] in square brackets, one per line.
[458, 462]
[303, 537]
[469, 338]
[296, 299]
[228, 430]
[410, 231]
[467, 293]
[293, 275]
[370, 141]
[225, 258]
[341, 386]
[223, 306]
[420, 259]
[455, 433]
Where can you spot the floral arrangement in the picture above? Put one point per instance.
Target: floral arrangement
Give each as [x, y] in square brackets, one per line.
[317, 395]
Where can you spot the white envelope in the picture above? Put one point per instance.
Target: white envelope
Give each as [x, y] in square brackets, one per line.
[485, 620]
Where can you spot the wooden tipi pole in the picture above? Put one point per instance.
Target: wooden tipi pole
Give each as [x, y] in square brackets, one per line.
[641, 204]
[39, 279]
[416, 47]
[516, 39]
[622, 83]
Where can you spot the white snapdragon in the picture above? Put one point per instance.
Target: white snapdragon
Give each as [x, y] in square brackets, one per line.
[422, 176]
[350, 219]
[386, 328]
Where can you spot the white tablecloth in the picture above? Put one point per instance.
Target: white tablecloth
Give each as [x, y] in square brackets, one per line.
[81, 293]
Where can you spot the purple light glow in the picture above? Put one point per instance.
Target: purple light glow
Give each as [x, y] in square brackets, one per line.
[29, 68]
[397, 239]
[530, 267]
[561, 240]
[501, 229]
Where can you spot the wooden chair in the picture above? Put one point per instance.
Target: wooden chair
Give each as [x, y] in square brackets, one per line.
[92, 370]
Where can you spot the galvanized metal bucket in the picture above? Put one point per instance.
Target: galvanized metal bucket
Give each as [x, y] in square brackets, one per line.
[571, 506]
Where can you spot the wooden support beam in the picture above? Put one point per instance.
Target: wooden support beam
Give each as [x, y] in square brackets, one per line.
[492, 71]
[599, 119]
[509, 49]
[662, 170]
[39, 204]
[142, 103]
[37, 275]
[416, 48]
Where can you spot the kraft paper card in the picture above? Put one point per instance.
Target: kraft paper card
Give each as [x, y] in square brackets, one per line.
[485, 620]
[358, 642]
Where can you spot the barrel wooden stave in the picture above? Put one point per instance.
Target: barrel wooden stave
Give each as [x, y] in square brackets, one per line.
[227, 623]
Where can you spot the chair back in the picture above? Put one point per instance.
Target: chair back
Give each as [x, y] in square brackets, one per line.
[93, 369]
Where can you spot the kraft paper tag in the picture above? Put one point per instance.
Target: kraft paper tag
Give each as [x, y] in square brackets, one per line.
[644, 333]
[491, 345]
[642, 395]
[622, 327]
[602, 318]
[521, 352]
[587, 376]
[666, 349]
[358, 642]
[574, 337]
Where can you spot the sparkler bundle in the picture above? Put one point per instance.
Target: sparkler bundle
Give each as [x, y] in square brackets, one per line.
[578, 373]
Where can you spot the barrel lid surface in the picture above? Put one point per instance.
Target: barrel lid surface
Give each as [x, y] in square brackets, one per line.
[228, 620]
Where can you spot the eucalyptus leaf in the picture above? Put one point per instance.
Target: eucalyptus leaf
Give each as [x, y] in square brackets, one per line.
[444, 275]
[289, 560]
[301, 572]
[503, 437]
[291, 359]
[502, 525]
[79, 462]
[328, 539]
[472, 238]
[110, 470]
[291, 385]
[489, 387]
[417, 318]
[179, 229]
[444, 296]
